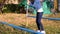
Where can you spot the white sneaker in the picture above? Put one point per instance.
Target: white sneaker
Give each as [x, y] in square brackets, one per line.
[43, 32]
[38, 30]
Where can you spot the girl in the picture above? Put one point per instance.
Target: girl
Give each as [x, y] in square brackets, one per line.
[37, 4]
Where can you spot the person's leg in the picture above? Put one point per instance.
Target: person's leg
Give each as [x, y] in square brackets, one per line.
[38, 20]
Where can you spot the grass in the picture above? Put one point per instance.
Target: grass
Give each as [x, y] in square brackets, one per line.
[51, 26]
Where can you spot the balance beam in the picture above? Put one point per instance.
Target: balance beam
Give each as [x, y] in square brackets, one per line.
[21, 28]
[49, 18]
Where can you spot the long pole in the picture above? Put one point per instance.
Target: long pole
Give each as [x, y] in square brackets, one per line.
[26, 15]
[27, 8]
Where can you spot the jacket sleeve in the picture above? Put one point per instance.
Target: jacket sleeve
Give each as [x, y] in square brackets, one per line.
[31, 5]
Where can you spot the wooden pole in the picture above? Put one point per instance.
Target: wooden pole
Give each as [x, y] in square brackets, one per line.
[55, 4]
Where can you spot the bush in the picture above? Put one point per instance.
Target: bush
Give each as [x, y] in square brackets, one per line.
[11, 8]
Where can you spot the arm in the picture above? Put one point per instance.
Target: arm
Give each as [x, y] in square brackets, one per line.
[31, 2]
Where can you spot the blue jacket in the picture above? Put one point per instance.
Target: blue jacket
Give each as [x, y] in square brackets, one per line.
[37, 4]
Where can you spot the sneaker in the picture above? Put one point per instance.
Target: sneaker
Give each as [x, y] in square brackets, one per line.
[38, 30]
[43, 32]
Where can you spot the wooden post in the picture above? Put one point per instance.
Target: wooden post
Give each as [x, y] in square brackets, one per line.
[55, 4]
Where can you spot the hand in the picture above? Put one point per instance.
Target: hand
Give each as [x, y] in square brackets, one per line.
[28, 2]
[41, 0]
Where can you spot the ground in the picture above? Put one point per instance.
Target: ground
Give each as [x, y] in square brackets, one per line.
[51, 26]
